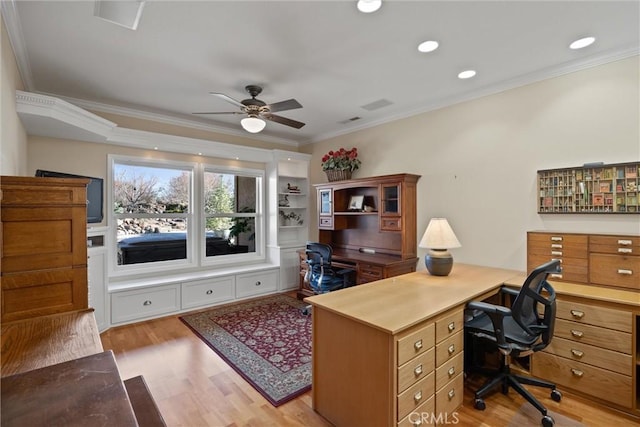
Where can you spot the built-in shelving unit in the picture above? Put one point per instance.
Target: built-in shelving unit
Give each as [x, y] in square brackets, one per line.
[596, 188]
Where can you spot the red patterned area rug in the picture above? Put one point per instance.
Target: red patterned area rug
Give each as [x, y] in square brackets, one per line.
[267, 341]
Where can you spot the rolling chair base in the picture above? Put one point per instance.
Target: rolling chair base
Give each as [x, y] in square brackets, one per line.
[506, 379]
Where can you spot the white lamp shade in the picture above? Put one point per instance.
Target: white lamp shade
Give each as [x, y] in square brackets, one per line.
[253, 124]
[368, 6]
[439, 235]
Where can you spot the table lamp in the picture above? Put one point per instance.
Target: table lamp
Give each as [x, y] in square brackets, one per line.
[438, 238]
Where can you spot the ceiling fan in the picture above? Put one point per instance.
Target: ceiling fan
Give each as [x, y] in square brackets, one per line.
[258, 111]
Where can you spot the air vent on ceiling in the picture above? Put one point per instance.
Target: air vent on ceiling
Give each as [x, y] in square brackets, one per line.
[375, 105]
[352, 119]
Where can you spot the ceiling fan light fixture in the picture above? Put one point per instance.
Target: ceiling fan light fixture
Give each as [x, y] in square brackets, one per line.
[369, 6]
[253, 124]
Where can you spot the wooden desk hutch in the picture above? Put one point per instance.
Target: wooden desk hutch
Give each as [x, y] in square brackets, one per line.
[378, 239]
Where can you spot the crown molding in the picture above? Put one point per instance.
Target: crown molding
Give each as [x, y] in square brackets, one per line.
[168, 119]
[522, 80]
[44, 112]
[16, 39]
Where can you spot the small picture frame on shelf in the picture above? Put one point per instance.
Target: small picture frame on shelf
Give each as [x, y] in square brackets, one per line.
[355, 203]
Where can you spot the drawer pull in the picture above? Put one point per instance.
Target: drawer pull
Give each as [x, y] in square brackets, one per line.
[258, 283]
[417, 345]
[577, 372]
[556, 276]
[577, 353]
[625, 250]
[625, 242]
[418, 370]
[625, 272]
[451, 371]
[556, 245]
[209, 292]
[451, 349]
[577, 334]
[418, 396]
[147, 302]
[558, 253]
[451, 394]
[577, 314]
[556, 238]
[452, 326]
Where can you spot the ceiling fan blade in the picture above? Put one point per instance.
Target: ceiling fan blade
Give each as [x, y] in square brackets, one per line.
[283, 120]
[228, 99]
[219, 112]
[289, 104]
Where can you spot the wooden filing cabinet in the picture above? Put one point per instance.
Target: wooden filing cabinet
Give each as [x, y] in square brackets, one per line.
[591, 351]
[615, 261]
[570, 249]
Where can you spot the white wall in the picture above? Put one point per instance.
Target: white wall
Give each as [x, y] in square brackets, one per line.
[13, 137]
[478, 159]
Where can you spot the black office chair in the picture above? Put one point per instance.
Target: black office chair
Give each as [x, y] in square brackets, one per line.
[517, 332]
[320, 275]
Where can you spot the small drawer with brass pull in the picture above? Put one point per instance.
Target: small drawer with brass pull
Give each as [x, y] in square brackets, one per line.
[449, 397]
[415, 395]
[449, 370]
[620, 270]
[593, 335]
[596, 356]
[416, 369]
[418, 340]
[449, 348]
[595, 315]
[448, 325]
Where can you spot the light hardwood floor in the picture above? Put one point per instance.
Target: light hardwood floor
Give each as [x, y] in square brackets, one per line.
[193, 386]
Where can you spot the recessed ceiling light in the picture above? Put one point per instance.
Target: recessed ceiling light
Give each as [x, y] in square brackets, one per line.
[368, 6]
[583, 42]
[428, 46]
[467, 74]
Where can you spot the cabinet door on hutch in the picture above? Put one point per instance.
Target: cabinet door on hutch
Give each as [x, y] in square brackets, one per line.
[390, 206]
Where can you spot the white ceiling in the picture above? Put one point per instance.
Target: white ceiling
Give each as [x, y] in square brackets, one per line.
[325, 54]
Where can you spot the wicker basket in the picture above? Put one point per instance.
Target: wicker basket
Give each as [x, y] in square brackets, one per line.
[338, 175]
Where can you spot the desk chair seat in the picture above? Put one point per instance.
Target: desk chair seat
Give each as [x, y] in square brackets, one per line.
[321, 276]
[517, 331]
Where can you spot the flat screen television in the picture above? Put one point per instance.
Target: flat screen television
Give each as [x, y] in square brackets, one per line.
[94, 193]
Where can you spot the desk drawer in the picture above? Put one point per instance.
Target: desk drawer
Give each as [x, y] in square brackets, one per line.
[597, 382]
[416, 369]
[390, 224]
[449, 370]
[325, 222]
[573, 269]
[592, 355]
[572, 246]
[449, 325]
[592, 335]
[615, 270]
[449, 348]
[620, 245]
[415, 395]
[418, 341]
[449, 397]
[147, 302]
[594, 315]
[369, 272]
[420, 415]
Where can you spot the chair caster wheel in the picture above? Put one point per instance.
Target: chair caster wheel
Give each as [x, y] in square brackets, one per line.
[556, 396]
[547, 421]
[479, 404]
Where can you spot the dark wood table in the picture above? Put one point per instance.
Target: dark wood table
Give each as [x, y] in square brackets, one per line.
[83, 392]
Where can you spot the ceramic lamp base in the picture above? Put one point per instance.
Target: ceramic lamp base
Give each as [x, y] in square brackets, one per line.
[439, 262]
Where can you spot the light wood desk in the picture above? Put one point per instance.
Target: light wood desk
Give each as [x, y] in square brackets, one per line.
[389, 348]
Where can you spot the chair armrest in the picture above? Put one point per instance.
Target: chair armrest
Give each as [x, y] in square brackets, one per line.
[489, 308]
[510, 291]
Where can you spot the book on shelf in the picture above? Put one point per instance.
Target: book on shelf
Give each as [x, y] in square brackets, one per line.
[597, 200]
[631, 172]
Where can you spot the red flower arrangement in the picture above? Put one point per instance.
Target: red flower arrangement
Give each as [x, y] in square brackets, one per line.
[341, 160]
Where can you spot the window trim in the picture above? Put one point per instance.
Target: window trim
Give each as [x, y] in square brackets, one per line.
[196, 251]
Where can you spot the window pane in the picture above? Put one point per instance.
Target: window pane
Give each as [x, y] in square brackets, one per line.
[219, 193]
[143, 240]
[144, 189]
[230, 235]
